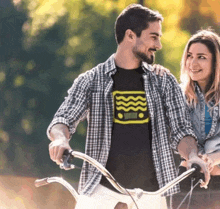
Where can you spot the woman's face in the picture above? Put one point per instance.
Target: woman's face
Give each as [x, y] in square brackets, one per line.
[199, 64]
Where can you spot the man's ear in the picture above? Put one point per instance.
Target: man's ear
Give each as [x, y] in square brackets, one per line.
[130, 35]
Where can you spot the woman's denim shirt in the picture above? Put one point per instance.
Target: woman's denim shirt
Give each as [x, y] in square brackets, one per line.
[210, 142]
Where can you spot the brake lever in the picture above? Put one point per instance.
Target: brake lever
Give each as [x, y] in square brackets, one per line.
[67, 157]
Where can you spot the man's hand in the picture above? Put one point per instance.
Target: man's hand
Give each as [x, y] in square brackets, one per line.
[204, 168]
[188, 150]
[59, 135]
[56, 149]
[208, 160]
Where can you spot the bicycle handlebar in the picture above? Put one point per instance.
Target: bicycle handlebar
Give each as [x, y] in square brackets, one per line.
[70, 153]
[96, 164]
[41, 182]
[45, 181]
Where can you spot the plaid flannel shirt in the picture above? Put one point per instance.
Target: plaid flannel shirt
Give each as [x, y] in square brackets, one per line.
[91, 97]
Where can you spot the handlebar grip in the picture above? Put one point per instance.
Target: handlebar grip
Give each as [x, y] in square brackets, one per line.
[66, 152]
[197, 168]
[197, 173]
[67, 157]
[40, 182]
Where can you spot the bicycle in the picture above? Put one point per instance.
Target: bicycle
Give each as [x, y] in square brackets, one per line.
[135, 194]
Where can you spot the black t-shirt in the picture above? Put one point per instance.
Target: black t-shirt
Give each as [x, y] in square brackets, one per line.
[130, 157]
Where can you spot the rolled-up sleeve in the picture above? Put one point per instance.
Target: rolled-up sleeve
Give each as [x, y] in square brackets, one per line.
[177, 113]
[75, 106]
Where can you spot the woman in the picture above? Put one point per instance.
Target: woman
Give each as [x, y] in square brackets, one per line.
[200, 77]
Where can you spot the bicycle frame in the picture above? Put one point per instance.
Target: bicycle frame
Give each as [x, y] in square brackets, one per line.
[131, 192]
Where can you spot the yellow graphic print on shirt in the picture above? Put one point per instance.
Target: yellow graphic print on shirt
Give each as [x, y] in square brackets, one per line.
[130, 107]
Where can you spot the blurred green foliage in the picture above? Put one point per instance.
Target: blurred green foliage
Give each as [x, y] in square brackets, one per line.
[45, 45]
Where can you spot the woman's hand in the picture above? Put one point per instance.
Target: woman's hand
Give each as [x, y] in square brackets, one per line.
[209, 162]
[160, 70]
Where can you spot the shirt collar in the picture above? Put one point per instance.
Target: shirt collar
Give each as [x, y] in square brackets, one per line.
[201, 95]
[110, 65]
[146, 67]
[197, 88]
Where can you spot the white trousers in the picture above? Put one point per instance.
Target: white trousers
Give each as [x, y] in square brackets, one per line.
[104, 198]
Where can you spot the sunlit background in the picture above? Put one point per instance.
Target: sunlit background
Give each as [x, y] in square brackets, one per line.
[44, 45]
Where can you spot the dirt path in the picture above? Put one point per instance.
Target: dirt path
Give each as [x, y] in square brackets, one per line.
[20, 193]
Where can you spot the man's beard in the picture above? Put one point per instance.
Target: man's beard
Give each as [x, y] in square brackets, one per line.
[143, 57]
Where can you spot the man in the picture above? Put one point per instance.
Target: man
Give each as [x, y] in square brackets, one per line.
[132, 114]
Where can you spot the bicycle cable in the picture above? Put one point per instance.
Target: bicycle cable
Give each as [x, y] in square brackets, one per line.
[98, 172]
[67, 166]
[125, 190]
[189, 193]
[115, 183]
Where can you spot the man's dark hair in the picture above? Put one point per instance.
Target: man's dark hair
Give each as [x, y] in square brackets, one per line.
[136, 18]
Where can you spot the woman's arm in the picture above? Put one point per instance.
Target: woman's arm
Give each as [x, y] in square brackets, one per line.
[214, 157]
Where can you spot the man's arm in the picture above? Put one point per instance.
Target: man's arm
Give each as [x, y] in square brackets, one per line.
[187, 147]
[59, 135]
[188, 150]
[73, 110]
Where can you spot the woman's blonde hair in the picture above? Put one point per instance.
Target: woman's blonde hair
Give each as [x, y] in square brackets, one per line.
[212, 92]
